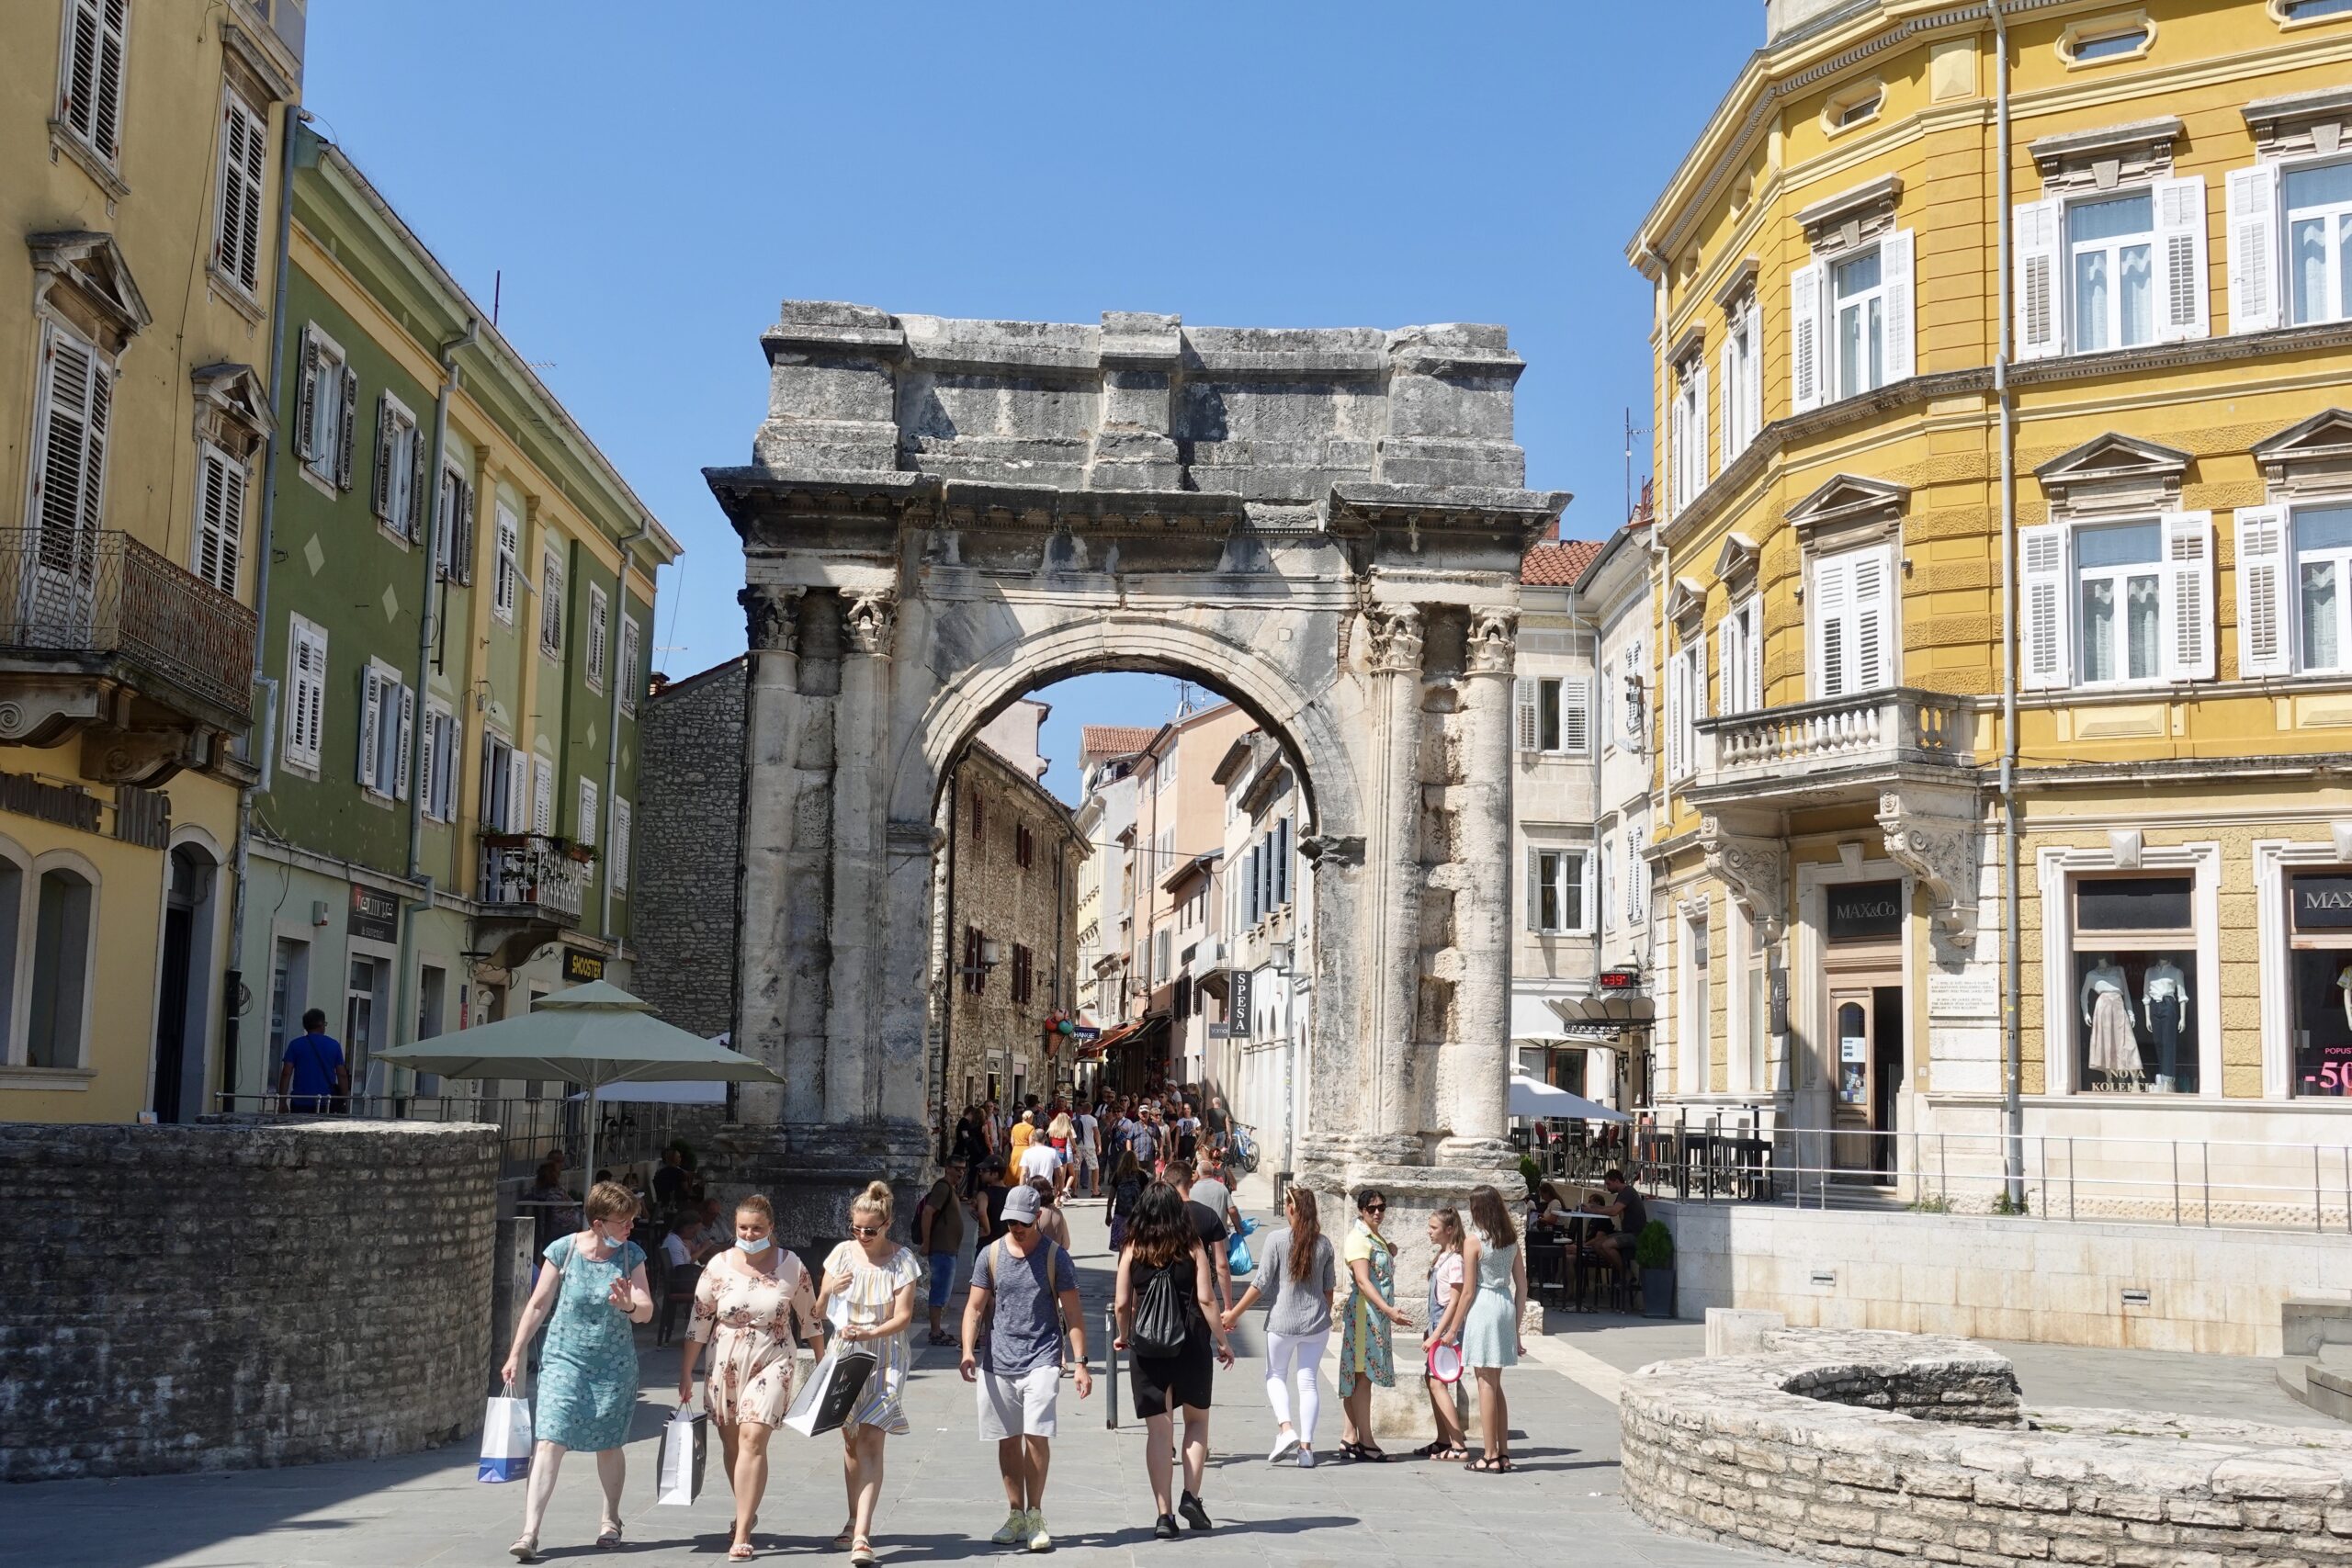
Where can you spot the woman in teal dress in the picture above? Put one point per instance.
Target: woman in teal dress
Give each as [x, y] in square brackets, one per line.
[1483, 1320]
[1365, 1362]
[593, 1285]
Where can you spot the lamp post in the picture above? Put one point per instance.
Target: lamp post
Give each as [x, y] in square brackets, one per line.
[1278, 959]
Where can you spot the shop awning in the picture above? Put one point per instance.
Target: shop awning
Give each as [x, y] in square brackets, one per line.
[1602, 1019]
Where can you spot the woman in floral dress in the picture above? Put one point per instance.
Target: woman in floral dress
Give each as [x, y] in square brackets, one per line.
[1365, 1359]
[746, 1308]
[591, 1295]
[874, 1279]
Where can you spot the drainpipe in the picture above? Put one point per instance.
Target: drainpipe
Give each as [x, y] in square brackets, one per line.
[613, 726]
[2012, 939]
[1576, 618]
[263, 555]
[427, 630]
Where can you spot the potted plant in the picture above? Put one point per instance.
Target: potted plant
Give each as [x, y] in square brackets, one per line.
[1531, 1173]
[1653, 1250]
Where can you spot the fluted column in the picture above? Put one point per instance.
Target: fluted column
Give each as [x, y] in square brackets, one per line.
[861, 734]
[772, 717]
[1478, 1083]
[1393, 893]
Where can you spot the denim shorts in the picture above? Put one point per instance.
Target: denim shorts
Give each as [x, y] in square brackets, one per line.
[943, 1277]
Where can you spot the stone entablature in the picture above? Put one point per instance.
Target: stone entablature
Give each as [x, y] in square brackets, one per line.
[1873, 1448]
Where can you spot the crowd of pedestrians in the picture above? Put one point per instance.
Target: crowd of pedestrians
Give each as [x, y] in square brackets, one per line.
[1157, 1165]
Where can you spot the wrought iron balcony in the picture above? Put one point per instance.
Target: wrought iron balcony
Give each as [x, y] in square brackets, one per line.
[99, 605]
[1803, 747]
[533, 876]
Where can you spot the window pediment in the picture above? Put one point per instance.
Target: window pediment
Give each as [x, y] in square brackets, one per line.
[1739, 284]
[2114, 472]
[1850, 510]
[1735, 562]
[2106, 157]
[1686, 601]
[231, 408]
[2309, 458]
[1852, 216]
[83, 274]
[2301, 123]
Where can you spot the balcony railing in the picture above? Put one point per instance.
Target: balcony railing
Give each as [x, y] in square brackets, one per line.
[104, 595]
[532, 875]
[1896, 725]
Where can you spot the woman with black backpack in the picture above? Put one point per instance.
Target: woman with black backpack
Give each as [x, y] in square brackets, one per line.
[1166, 1326]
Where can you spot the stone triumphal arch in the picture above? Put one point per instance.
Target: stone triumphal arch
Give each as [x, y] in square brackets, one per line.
[1325, 525]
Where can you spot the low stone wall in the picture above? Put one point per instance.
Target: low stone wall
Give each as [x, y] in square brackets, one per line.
[1735, 1449]
[229, 1295]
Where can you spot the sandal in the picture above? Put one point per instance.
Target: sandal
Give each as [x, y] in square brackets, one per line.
[861, 1555]
[943, 1338]
[848, 1534]
[525, 1549]
[609, 1537]
[1442, 1449]
[1366, 1452]
[1490, 1464]
[740, 1553]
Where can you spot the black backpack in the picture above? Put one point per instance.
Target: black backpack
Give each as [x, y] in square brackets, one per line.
[1163, 1317]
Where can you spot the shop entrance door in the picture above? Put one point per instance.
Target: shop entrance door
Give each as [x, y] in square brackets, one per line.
[1865, 1035]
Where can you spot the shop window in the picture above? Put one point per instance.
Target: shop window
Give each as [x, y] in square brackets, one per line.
[2134, 981]
[2322, 1003]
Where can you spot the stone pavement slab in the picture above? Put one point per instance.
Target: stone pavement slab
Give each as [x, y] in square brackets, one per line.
[940, 1502]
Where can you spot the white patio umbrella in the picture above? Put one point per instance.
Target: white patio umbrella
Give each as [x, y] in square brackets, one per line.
[594, 1035]
[1530, 1097]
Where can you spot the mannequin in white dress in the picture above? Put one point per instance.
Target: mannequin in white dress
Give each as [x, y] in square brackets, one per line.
[2113, 1049]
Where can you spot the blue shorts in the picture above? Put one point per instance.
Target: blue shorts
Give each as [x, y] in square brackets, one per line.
[943, 1277]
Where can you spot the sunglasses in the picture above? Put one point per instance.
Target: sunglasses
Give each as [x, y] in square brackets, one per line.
[865, 1230]
[1375, 1208]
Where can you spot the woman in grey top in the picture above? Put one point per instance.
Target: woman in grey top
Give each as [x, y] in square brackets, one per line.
[1302, 1273]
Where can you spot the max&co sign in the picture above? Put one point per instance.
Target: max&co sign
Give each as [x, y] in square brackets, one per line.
[2322, 903]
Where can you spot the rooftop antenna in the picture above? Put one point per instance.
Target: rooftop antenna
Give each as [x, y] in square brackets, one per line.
[1188, 698]
[498, 286]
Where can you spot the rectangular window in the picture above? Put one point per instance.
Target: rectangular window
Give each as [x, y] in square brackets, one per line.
[219, 517]
[502, 582]
[1852, 612]
[2119, 572]
[1022, 975]
[617, 851]
[1743, 374]
[1690, 431]
[599, 608]
[440, 763]
[632, 654]
[236, 230]
[326, 400]
[551, 601]
[386, 730]
[1698, 1021]
[2110, 270]
[2115, 603]
[1554, 715]
[1686, 705]
[1740, 659]
[2323, 576]
[2134, 979]
[1637, 893]
[1857, 319]
[2318, 202]
[583, 827]
[1023, 846]
[90, 75]
[399, 497]
[453, 534]
[502, 802]
[69, 482]
[306, 692]
[1556, 891]
[542, 797]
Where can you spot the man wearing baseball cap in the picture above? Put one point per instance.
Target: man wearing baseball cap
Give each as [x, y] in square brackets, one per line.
[1024, 1290]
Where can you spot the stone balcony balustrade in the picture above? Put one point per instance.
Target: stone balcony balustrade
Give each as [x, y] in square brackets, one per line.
[1827, 746]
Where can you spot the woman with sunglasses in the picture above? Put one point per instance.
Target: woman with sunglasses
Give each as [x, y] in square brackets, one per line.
[874, 1279]
[1365, 1362]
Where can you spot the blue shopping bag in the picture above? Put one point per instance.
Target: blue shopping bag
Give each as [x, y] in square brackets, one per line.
[505, 1441]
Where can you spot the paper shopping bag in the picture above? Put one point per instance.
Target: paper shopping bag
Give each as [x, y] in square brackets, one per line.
[686, 1446]
[505, 1441]
[832, 1390]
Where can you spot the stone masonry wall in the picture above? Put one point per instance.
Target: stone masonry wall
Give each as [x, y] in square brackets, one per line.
[687, 825]
[1735, 1448]
[230, 1296]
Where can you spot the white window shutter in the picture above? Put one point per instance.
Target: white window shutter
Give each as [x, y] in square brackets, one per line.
[2182, 293]
[92, 89]
[542, 797]
[618, 854]
[385, 456]
[1876, 660]
[1587, 889]
[415, 520]
[1576, 715]
[1700, 470]
[306, 403]
[1531, 732]
[1676, 681]
[407, 743]
[2254, 249]
[1898, 274]
[1832, 614]
[1698, 653]
[2034, 228]
[371, 704]
[1673, 445]
[585, 828]
[1636, 896]
[1751, 376]
[244, 151]
[350, 417]
[221, 517]
[2046, 659]
[1806, 390]
[1728, 395]
[428, 765]
[630, 655]
[1727, 659]
[1751, 637]
[2263, 645]
[1534, 892]
[2189, 602]
[517, 783]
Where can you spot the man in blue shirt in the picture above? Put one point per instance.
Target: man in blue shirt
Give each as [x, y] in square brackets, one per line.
[314, 1074]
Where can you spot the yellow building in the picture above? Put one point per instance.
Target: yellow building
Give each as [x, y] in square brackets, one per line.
[139, 172]
[1867, 482]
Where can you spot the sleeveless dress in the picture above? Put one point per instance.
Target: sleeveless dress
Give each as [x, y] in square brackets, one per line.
[872, 1288]
[1489, 1332]
[748, 1320]
[1363, 1333]
[588, 1363]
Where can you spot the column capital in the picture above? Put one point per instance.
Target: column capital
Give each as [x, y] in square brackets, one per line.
[771, 618]
[871, 618]
[1494, 638]
[1396, 639]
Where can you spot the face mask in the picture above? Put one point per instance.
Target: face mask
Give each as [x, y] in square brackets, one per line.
[753, 1247]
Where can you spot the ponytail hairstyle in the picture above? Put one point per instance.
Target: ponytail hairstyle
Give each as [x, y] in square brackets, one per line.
[1449, 1225]
[753, 1203]
[1492, 1217]
[1305, 1234]
[874, 1200]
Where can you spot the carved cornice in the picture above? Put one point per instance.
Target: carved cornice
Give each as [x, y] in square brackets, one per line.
[1750, 867]
[1941, 848]
[870, 619]
[771, 618]
[1494, 638]
[1396, 639]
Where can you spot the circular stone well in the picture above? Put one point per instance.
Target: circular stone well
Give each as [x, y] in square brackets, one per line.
[1865, 1447]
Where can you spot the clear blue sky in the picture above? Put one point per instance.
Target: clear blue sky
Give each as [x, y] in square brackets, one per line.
[652, 180]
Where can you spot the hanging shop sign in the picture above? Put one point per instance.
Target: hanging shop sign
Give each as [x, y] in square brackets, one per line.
[579, 967]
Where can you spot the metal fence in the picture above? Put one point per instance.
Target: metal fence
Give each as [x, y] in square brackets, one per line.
[103, 593]
[1757, 1157]
[529, 1130]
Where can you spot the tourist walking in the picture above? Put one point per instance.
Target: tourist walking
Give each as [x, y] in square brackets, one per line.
[751, 1307]
[939, 1236]
[1024, 1295]
[1300, 1269]
[971, 1149]
[590, 1295]
[1127, 1183]
[874, 1279]
[1365, 1361]
[313, 1075]
[1086, 1153]
[1167, 1324]
[1025, 1131]
[1210, 1222]
[1485, 1319]
[1445, 1282]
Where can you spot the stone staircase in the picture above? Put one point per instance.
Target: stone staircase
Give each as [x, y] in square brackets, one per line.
[2316, 1368]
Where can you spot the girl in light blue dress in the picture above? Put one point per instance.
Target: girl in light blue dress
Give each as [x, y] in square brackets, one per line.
[591, 1295]
[1483, 1321]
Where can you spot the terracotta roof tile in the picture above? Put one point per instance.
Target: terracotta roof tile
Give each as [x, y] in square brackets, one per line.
[1557, 563]
[1115, 739]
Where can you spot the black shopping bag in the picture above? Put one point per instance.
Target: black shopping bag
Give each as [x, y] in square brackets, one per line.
[832, 1391]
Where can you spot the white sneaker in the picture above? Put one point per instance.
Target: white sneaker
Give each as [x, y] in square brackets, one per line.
[1306, 1459]
[1283, 1443]
[1014, 1530]
[1040, 1540]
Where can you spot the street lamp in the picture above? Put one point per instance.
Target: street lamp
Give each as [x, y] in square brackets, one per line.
[1278, 959]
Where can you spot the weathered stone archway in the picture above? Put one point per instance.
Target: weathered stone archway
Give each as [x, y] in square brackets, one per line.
[1326, 525]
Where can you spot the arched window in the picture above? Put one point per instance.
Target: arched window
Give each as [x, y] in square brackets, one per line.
[65, 905]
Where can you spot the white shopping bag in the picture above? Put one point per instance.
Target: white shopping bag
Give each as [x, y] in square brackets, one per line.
[505, 1441]
[684, 1445]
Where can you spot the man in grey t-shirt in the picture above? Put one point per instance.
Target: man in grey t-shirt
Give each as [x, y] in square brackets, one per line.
[1628, 1213]
[1024, 1293]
